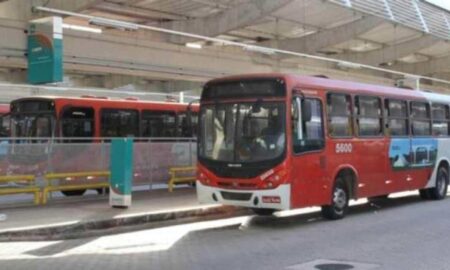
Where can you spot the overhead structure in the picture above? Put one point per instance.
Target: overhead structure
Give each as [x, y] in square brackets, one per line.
[408, 36]
[416, 14]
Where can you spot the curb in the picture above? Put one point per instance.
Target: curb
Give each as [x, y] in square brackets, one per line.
[134, 222]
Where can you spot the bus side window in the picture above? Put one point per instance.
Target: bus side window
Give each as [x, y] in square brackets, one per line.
[119, 123]
[307, 129]
[183, 128]
[397, 117]
[158, 124]
[440, 119]
[5, 130]
[420, 119]
[339, 115]
[78, 122]
[369, 118]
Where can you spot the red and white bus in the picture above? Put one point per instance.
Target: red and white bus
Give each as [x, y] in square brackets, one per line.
[276, 141]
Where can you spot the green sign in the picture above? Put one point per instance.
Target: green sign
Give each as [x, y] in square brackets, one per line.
[45, 50]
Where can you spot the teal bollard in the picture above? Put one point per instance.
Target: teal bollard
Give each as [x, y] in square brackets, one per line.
[121, 167]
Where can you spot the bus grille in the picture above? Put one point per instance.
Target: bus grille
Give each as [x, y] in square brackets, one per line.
[236, 196]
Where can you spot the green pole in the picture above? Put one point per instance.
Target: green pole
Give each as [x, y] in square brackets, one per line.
[121, 167]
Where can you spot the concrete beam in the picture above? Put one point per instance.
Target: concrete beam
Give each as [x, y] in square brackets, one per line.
[22, 9]
[435, 65]
[327, 37]
[236, 17]
[86, 53]
[390, 53]
[140, 13]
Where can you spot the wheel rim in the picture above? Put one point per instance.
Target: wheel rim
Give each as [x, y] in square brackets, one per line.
[441, 184]
[339, 199]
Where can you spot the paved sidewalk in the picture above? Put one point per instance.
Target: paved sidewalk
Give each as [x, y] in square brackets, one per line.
[80, 217]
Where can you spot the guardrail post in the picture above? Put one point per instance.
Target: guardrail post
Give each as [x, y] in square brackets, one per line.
[121, 167]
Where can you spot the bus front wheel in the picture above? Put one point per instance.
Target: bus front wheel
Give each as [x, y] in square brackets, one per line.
[339, 205]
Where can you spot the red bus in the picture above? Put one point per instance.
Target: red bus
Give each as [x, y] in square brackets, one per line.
[89, 117]
[276, 142]
[79, 122]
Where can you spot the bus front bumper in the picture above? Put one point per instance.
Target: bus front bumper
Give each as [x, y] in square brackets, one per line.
[278, 198]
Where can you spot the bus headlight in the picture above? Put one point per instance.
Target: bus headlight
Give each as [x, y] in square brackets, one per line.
[202, 178]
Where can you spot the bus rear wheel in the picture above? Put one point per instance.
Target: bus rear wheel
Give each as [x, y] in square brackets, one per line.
[71, 193]
[439, 191]
[339, 205]
[263, 211]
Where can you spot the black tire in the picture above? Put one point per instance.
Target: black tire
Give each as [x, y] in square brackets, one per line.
[263, 211]
[439, 191]
[339, 206]
[424, 194]
[71, 193]
[380, 198]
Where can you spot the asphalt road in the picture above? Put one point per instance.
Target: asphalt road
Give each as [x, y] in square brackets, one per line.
[402, 233]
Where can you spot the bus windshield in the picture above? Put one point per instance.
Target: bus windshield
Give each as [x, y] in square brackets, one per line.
[32, 118]
[31, 125]
[242, 132]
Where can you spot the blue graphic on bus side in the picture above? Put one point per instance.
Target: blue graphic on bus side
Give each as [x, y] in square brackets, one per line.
[412, 153]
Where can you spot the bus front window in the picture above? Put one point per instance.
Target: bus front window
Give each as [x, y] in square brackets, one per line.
[31, 126]
[243, 132]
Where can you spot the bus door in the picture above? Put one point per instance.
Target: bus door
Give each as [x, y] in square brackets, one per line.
[399, 159]
[308, 162]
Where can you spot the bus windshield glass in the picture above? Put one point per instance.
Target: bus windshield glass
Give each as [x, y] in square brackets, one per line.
[242, 132]
[27, 125]
[32, 118]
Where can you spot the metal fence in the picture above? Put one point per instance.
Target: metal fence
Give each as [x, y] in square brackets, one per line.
[41, 156]
[416, 14]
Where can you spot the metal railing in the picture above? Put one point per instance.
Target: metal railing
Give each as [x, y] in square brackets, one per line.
[68, 161]
[415, 14]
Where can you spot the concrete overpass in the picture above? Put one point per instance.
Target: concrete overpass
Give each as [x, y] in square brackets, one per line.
[404, 35]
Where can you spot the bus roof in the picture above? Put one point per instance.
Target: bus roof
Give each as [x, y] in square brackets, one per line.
[318, 83]
[104, 100]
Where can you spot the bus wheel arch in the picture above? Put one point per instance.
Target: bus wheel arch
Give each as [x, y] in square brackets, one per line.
[350, 178]
[444, 163]
[439, 191]
[343, 190]
[428, 193]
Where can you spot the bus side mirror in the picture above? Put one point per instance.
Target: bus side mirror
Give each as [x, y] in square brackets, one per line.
[306, 111]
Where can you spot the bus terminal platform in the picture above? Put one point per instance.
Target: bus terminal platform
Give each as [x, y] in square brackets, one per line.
[68, 218]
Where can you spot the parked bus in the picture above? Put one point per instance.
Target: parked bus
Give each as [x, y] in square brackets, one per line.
[277, 142]
[90, 117]
[74, 124]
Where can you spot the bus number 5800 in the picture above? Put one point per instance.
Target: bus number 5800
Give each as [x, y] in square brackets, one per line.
[344, 148]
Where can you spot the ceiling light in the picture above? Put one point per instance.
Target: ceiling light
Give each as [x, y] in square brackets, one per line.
[348, 65]
[193, 45]
[113, 24]
[82, 28]
[259, 49]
